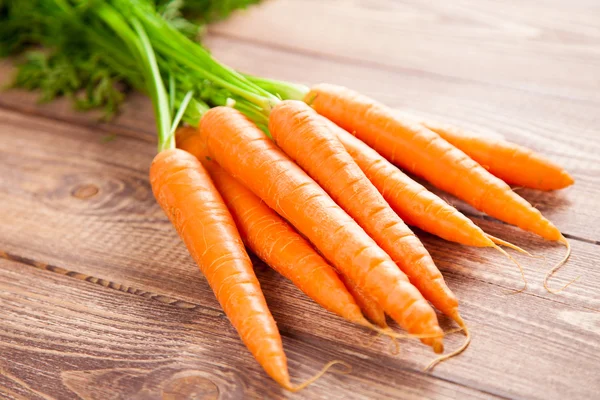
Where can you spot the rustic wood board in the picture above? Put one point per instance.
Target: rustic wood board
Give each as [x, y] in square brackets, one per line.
[100, 300]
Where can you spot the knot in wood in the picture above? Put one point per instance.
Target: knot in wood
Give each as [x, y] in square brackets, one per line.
[86, 191]
[194, 387]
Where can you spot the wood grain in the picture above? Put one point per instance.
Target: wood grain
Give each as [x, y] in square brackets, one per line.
[100, 300]
[113, 345]
[482, 41]
[118, 238]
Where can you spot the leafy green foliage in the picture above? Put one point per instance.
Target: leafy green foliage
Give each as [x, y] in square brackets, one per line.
[88, 81]
[21, 25]
[207, 11]
[76, 56]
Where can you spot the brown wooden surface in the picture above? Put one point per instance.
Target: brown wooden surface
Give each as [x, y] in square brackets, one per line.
[99, 299]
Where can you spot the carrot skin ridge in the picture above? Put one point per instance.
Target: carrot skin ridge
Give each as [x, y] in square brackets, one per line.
[514, 164]
[273, 240]
[248, 155]
[185, 192]
[424, 153]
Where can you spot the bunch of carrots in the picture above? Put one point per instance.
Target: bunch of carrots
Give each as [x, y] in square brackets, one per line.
[312, 182]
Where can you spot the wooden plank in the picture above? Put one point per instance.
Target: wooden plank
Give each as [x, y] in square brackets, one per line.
[66, 339]
[536, 45]
[75, 205]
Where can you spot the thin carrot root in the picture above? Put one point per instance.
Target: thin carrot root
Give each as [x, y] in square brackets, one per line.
[319, 375]
[543, 257]
[438, 346]
[504, 243]
[501, 250]
[396, 350]
[391, 334]
[371, 342]
[456, 352]
[562, 262]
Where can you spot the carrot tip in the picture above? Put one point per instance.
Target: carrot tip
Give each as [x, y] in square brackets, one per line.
[456, 352]
[553, 270]
[569, 180]
[319, 375]
[438, 346]
[458, 319]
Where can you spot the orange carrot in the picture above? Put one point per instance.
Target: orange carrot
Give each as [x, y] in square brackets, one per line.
[273, 240]
[247, 154]
[367, 304]
[186, 194]
[424, 153]
[307, 139]
[416, 205]
[514, 164]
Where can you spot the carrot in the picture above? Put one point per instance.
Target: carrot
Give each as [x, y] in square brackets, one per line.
[424, 153]
[185, 192]
[416, 205]
[273, 240]
[367, 304]
[247, 154]
[514, 164]
[310, 141]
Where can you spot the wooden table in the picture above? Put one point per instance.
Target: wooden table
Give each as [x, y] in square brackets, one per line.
[100, 300]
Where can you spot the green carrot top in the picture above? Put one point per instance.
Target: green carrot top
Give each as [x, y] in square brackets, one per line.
[93, 49]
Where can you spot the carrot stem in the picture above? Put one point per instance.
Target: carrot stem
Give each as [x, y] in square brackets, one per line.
[139, 45]
[284, 90]
[177, 46]
[172, 92]
[182, 109]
